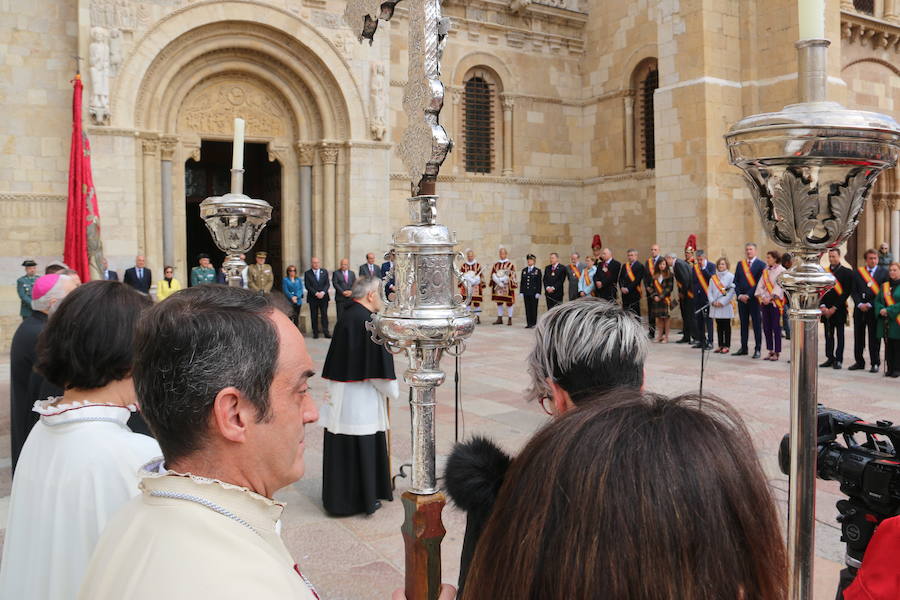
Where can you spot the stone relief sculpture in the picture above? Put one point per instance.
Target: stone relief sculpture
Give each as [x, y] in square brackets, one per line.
[98, 107]
[115, 51]
[377, 102]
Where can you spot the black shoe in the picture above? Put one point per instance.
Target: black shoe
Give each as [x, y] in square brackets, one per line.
[742, 352]
[837, 365]
[787, 336]
[874, 369]
[895, 374]
[756, 354]
[827, 363]
[684, 341]
[327, 335]
[856, 367]
[315, 336]
[696, 345]
[529, 327]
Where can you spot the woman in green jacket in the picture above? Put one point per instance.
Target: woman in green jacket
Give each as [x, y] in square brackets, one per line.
[887, 306]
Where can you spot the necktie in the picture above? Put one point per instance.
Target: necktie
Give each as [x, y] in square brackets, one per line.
[140, 273]
[346, 277]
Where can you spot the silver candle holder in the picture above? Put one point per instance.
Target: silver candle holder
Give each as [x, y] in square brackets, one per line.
[235, 221]
[810, 168]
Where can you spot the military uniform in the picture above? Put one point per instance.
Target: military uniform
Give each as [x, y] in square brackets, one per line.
[24, 285]
[260, 278]
[201, 275]
[530, 288]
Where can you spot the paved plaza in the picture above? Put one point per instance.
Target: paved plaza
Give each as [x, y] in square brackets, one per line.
[362, 557]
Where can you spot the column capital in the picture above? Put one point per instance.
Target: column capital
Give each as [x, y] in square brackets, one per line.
[150, 146]
[328, 153]
[508, 101]
[167, 147]
[306, 153]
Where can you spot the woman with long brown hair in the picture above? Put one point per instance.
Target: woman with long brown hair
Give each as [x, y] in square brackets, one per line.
[634, 497]
[663, 282]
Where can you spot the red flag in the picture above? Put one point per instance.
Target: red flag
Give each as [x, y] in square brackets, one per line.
[83, 248]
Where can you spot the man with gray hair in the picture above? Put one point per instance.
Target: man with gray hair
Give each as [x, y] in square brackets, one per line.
[703, 272]
[582, 350]
[25, 384]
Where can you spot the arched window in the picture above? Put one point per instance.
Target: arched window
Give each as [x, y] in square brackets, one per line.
[479, 108]
[645, 81]
[864, 6]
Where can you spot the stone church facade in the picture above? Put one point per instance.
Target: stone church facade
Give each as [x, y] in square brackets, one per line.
[570, 117]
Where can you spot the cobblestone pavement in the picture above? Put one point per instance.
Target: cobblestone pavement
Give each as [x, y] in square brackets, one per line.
[362, 557]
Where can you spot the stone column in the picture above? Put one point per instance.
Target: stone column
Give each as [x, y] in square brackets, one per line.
[508, 104]
[305, 156]
[879, 205]
[167, 154]
[458, 127]
[328, 156]
[629, 130]
[895, 230]
[151, 206]
[869, 224]
[891, 10]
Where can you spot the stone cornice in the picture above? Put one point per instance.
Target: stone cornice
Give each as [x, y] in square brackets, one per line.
[870, 31]
[29, 197]
[647, 174]
[544, 99]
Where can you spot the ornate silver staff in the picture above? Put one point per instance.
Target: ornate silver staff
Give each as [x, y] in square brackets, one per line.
[427, 316]
[235, 220]
[809, 168]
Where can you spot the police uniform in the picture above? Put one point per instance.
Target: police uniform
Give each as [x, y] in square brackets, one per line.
[260, 277]
[24, 285]
[530, 288]
[201, 275]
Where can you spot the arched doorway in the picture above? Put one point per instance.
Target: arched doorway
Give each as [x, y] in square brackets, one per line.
[211, 176]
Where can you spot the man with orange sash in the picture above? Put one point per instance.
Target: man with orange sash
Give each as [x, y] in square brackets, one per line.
[746, 278]
[632, 277]
[574, 273]
[703, 270]
[650, 265]
[834, 310]
[684, 270]
[867, 281]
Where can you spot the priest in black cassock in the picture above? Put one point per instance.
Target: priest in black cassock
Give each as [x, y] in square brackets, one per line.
[360, 374]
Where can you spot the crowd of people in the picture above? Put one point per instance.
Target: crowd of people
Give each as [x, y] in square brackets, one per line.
[218, 378]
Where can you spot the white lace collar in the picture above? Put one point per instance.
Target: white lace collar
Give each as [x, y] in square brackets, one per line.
[54, 413]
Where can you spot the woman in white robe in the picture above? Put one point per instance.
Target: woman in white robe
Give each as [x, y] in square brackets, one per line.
[80, 463]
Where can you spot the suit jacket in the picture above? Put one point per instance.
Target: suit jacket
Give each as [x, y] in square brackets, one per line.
[700, 294]
[608, 275]
[640, 275]
[530, 282]
[364, 270]
[862, 293]
[337, 279]
[112, 275]
[314, 285]
[142, 284]
[388, 283]
[683, 272]
[837, 296]
[555, 279]
[574, 278]
[742, 286]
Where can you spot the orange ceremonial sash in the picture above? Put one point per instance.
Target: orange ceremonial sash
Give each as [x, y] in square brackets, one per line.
[748, 274]
[703, 283]
[889, 297]
[837, 285]
[868, 279]
[575, 270]
[770, 288]
[659, 290]
[631, 277]
[718, 284]
[587, 276]
[650, 265]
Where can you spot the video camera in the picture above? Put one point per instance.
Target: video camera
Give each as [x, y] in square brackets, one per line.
[868, 472]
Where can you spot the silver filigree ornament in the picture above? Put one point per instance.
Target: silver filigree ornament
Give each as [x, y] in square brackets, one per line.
[425, 142]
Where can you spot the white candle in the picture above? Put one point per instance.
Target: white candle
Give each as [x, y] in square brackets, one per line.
[237, 157]
[812, 19]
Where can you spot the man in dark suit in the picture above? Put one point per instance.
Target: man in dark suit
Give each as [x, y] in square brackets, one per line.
[342, 280]
[385, 270]
[554, 279]
[703, 272]
[108, 274]
[631, 280]
[316, 282]
[139, 277]
[650, 266]
[834, 310]
[573, 273]
[683, 270]
[747, 274]
[369, 268]
[530, 288]
[867, 282]
[606, 276]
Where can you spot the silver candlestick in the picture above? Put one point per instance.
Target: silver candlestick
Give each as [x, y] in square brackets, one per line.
[235, 221]
[810, 168]
[427, 317]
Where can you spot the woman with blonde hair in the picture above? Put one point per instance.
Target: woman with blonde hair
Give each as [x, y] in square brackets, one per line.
[721, 295]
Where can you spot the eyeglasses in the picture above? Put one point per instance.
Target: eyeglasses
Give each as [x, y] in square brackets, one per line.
[546, 401]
